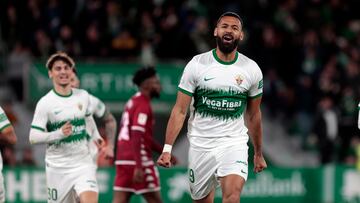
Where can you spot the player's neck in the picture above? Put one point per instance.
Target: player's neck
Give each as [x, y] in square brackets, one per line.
[226, 57]
[63, 90]
[146, 94]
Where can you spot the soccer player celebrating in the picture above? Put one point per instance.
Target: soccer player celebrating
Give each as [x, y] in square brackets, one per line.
[7, 136]
[136, 172]
[225, 87]
[60, 121]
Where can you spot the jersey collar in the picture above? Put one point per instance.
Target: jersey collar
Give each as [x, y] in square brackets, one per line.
[224, 62]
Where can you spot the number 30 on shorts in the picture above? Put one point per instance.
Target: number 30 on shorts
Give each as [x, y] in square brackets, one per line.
[52, 194]
[191, 176]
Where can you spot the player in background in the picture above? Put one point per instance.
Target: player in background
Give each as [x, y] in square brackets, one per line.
[60, 121]
[99, 110]
[136, 172]
[225, 87]
[7, 136]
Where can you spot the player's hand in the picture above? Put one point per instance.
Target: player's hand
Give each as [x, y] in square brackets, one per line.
[259, 163]
[138, 175]
[107, 151]
[100, 143]
[67, 129]
[164, 160]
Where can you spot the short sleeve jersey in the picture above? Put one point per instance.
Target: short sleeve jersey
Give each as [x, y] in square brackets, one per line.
[4, 123]
[137, 116]
[97, 107]
[220, 92]
[52, 112]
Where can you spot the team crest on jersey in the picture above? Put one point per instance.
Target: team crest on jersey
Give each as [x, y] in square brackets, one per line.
[239, 79]
[80, 106]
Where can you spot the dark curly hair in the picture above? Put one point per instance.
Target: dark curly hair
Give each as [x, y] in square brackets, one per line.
[142, 74]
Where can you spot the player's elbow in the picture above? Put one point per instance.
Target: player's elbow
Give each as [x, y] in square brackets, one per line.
[12, 139]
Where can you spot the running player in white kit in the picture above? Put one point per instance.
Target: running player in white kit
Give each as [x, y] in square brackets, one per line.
[223, 87]
[60, 120]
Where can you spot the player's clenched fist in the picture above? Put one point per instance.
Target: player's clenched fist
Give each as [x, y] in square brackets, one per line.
[164, 160]
[67, 129]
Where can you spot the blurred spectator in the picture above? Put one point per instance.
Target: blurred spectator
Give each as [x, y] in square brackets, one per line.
[325, 127]
[67, 42]
[18, 61]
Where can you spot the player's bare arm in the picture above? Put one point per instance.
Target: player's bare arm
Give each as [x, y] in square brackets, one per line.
[176, 121]
[253, 121]
[8, 136]
[110, 130]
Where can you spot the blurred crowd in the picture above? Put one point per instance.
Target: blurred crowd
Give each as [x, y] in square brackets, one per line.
[309, 51]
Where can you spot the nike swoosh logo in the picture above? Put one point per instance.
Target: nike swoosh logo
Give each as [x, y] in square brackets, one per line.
[242, 171]
[242, 162]
[207, 79]
[57, 112]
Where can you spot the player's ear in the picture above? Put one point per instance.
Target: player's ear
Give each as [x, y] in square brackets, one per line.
[49, 73]
[242, 35]
[215, 32]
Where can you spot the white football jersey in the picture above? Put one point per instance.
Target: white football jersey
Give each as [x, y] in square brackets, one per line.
[51, 113]
[97, 107]
[4, 123]
[220, 91]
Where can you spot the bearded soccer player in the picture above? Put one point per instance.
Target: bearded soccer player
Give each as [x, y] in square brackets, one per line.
[136, 172]
[226, 88]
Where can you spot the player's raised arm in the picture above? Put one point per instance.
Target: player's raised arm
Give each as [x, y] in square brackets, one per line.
[39, 136]
[174, 126]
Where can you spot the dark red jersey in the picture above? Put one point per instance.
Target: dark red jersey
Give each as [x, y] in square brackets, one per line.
[136, 118]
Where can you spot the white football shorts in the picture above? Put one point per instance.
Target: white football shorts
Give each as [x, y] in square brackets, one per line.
[206, 167]
[66, 187]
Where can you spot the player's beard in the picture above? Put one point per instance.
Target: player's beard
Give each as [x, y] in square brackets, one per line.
[226, 48]
[154, 94]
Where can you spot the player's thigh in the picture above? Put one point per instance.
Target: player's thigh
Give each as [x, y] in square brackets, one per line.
[152, 197]
[121, 197]
[207, 199]
[89, 197]
[232, 172]
[231, 187]
[201, 172]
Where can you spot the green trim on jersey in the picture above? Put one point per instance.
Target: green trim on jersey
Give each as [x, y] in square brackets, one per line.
[256, 96]
[60, 95]
[221, 104]
[79, 131]
[3, 117]
[5, 126]
[38, 128]
[185, 92]
[224, 62]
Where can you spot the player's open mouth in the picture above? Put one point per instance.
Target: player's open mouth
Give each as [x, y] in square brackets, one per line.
[65, 77]
[227, 38]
